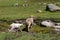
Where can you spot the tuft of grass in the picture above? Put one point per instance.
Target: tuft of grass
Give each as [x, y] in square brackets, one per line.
[29, 36]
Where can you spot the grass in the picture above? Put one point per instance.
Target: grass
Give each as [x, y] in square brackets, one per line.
[29, 36]
[9, 12]
[36, 33]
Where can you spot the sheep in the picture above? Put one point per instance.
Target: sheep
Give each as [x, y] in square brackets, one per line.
[14, 26]
[29, 22]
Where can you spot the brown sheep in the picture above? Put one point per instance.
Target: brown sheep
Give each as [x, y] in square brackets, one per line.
[29, 22]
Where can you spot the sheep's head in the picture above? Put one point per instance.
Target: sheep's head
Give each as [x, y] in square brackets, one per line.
[31, 16]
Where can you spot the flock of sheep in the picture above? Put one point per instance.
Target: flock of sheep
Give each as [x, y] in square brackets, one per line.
[29, 21]
[16, 26]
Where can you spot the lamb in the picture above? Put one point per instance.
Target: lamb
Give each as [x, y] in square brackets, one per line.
[15, 26]
[29, 22]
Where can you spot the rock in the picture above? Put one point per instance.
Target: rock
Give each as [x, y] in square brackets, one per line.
[39, 11]
[47, 23]
[52, 7]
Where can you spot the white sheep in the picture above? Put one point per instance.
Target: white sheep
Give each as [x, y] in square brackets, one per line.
[13, 26]
[29, 22]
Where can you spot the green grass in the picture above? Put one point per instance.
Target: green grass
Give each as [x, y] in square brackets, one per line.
[9, 12]
[29, 36]
[36, 33]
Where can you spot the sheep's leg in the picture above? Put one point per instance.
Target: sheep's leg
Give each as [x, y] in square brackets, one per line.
[20, 29]
[11, 29]
[31, 26]
[28, 27]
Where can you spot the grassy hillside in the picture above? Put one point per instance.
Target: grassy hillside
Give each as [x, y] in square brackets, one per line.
[7, 11]
[28, 36]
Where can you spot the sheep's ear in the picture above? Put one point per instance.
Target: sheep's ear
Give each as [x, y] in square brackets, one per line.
[34, 17]
[31, 16]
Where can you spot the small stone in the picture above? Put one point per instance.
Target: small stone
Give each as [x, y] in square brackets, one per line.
[45, 3]
[39, 11]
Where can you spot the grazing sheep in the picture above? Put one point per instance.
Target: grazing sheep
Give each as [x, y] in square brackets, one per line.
[15, 26]
[29, 22]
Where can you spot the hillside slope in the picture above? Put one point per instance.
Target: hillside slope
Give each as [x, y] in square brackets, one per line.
[9, 11]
